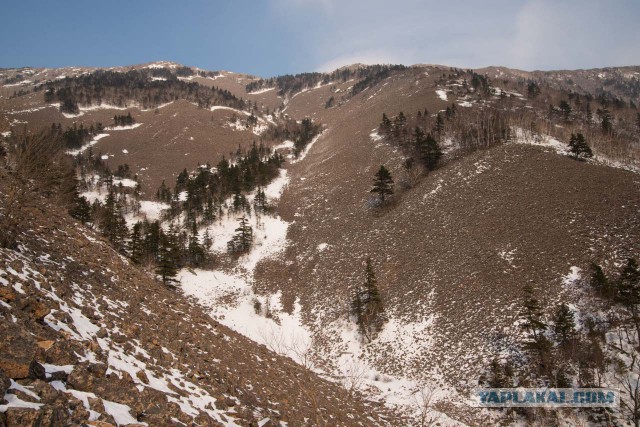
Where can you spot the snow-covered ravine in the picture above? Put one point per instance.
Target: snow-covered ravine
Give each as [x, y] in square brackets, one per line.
[230, 298]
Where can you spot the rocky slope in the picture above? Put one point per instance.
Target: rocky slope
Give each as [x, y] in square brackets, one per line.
[452, 251]
[87, 339]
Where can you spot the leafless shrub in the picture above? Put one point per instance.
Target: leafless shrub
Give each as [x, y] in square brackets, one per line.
[354, 374]
[10, 215]
[39, 158]
[423, 402]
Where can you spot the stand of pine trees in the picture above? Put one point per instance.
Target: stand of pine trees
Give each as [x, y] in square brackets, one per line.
[565, 349]
[123, 120]
[208, 191]
[132, 87]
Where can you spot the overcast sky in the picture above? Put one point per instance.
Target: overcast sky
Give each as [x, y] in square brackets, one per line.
[272, 37]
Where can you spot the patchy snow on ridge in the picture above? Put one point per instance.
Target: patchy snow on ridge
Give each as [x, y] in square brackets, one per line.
[91, 143]
[127, 127]
[304, 153]
[524, 137]
[259, 91]
[442, 94]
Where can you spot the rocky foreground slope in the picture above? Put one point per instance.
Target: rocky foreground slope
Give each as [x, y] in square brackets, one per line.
[89, 340]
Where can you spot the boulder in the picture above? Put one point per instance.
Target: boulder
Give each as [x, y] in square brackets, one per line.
[21, 416]
[17, 350]
[7, 294]
[63, 352]
[37, 371]
[5, 382]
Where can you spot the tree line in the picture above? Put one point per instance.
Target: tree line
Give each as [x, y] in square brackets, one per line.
[123, 88]
[288, 85]
[565, 349]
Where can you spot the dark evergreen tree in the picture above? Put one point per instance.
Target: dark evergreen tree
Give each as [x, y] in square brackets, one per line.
[531, 314]
[565, 109]
[260, 201]
[207, 241]
[629, 285]
[113, 224]
[368, 305]
[563, 324]
[429, 152]
[163, 194]
[195, 249]
[606, 120]
[242, 239]
[80, 208]
[533, 90]
[600, 283]
[166, 266]
[383, 183]
[385, 126]
[151, 241]
[579, 148]
[439, 126]
[136, 243]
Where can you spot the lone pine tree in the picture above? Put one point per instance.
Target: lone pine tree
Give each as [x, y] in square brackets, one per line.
[578, 147]
[367, 307]
[531, 314]
[383, 183]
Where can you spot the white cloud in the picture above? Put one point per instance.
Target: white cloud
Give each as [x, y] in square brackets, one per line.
[528, 34]
[574, 34]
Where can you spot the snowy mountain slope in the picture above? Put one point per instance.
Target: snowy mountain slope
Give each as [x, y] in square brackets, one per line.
[451, 253]
[116, 346]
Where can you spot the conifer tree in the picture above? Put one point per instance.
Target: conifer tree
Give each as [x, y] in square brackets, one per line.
[243, 238]
[80, 208]
[209, 211]
[430, 152]
[113, 224]
[605, 120]
[163, 194]
[578, 147]
[168, 255]
[439, 126]
[207, 241]
[565, 108]
[533, 90]
[600, 283]
[166, 267]
[195, 249]
[367, 306]
[385, 125]
[563, 324]
[383, 183]
[532, 316]
[135, 243]
[151, 240]
[629, 285]
[260, 201]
